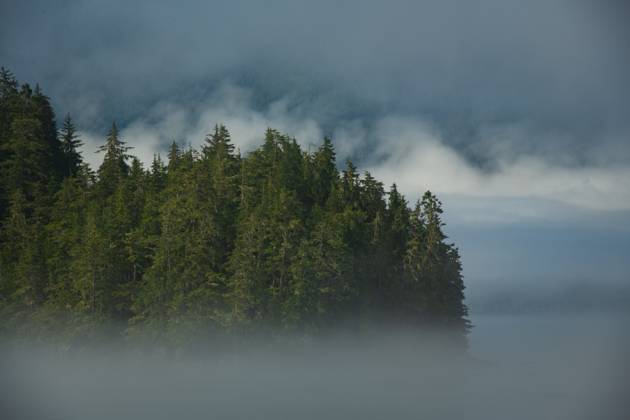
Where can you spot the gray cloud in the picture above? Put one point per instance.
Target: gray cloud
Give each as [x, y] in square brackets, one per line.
[408, 151]
[557, 67]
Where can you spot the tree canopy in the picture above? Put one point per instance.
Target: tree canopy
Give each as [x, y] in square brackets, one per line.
[278, 241]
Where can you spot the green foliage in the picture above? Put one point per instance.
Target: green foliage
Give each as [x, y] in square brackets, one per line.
[70, 144]
[114, 167]
[278, 241]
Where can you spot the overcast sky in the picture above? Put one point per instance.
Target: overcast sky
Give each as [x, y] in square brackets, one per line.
[517, 114]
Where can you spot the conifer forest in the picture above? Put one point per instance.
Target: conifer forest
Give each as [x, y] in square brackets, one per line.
[209, 241]
[314, 210]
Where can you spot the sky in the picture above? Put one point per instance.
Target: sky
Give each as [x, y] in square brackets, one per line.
[517, 114]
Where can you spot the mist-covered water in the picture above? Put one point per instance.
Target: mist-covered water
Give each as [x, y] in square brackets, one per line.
[544, 366]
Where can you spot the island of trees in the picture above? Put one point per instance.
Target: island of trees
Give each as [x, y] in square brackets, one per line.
[207, 242]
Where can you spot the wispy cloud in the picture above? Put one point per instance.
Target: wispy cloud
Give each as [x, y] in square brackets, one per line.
[409, 151]
[413, 154]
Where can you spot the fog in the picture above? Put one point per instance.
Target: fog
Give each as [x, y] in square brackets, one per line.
[561, 366]
[516, 114]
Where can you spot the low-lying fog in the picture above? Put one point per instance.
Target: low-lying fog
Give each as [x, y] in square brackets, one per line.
[552, 366]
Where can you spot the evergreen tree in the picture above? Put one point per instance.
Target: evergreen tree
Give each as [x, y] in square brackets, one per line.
[220, 169]
[25, 167]
[89, 270]
[65, 230]
[182, 288]
[44, 113]
[8, 84]
[174, 156]
[270, 225]
[8, 107]
[114, 167]
[326, 170]
[434, 269]
[277, 241]
[321, 280]
[70, 144]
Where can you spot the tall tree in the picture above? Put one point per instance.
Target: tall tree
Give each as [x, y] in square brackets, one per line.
[324, 172]
[26, 167]
[114, 167]
[278, 240]
[182, 289]
[22, 264]
[70, 145]
[220, 169]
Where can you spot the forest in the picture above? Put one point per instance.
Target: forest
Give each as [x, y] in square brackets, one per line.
[207, 242]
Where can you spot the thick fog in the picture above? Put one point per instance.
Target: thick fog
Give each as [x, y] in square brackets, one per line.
[562, 366]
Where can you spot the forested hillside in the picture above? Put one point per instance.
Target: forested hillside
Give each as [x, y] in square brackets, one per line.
[206, 242]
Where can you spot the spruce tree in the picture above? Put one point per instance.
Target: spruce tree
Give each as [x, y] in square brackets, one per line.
[70, 145]
[182, 289]
[22, 265]
[114, 167]
[219, 169]
[65, 230]
[325, 173]
[25, 168]
[277, 240]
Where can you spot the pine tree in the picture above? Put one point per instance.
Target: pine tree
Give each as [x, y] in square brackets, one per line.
[65, 230]
[8, 84]
[114, 167]
[174, 155]
[350, 186]
[323, 173]
[270, 225]
[43, 111]
[70, 145]
[219, 169]
[218, 145]
[22, 264]
[25, 168]
[89, 271]
[434, 269]
[321, 283]
[415, 288]
[142, 241]
[183, 287]
[443, 268]
[277, 240]
[396, 237]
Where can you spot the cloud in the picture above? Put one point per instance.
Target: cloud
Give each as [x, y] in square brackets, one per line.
[408, 151]
[559, 67]
[412, 154]
[189, 124]
[487, 100]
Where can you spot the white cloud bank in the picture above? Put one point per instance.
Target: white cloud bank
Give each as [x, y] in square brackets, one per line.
[405, 150]
[413, 155]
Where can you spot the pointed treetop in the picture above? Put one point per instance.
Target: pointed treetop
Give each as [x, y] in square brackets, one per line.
[174, 154]
[114, 147]
[114, 164]
[350, 174]
[70, 144]
[431, 209]
[218, 144]
[8, 83]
